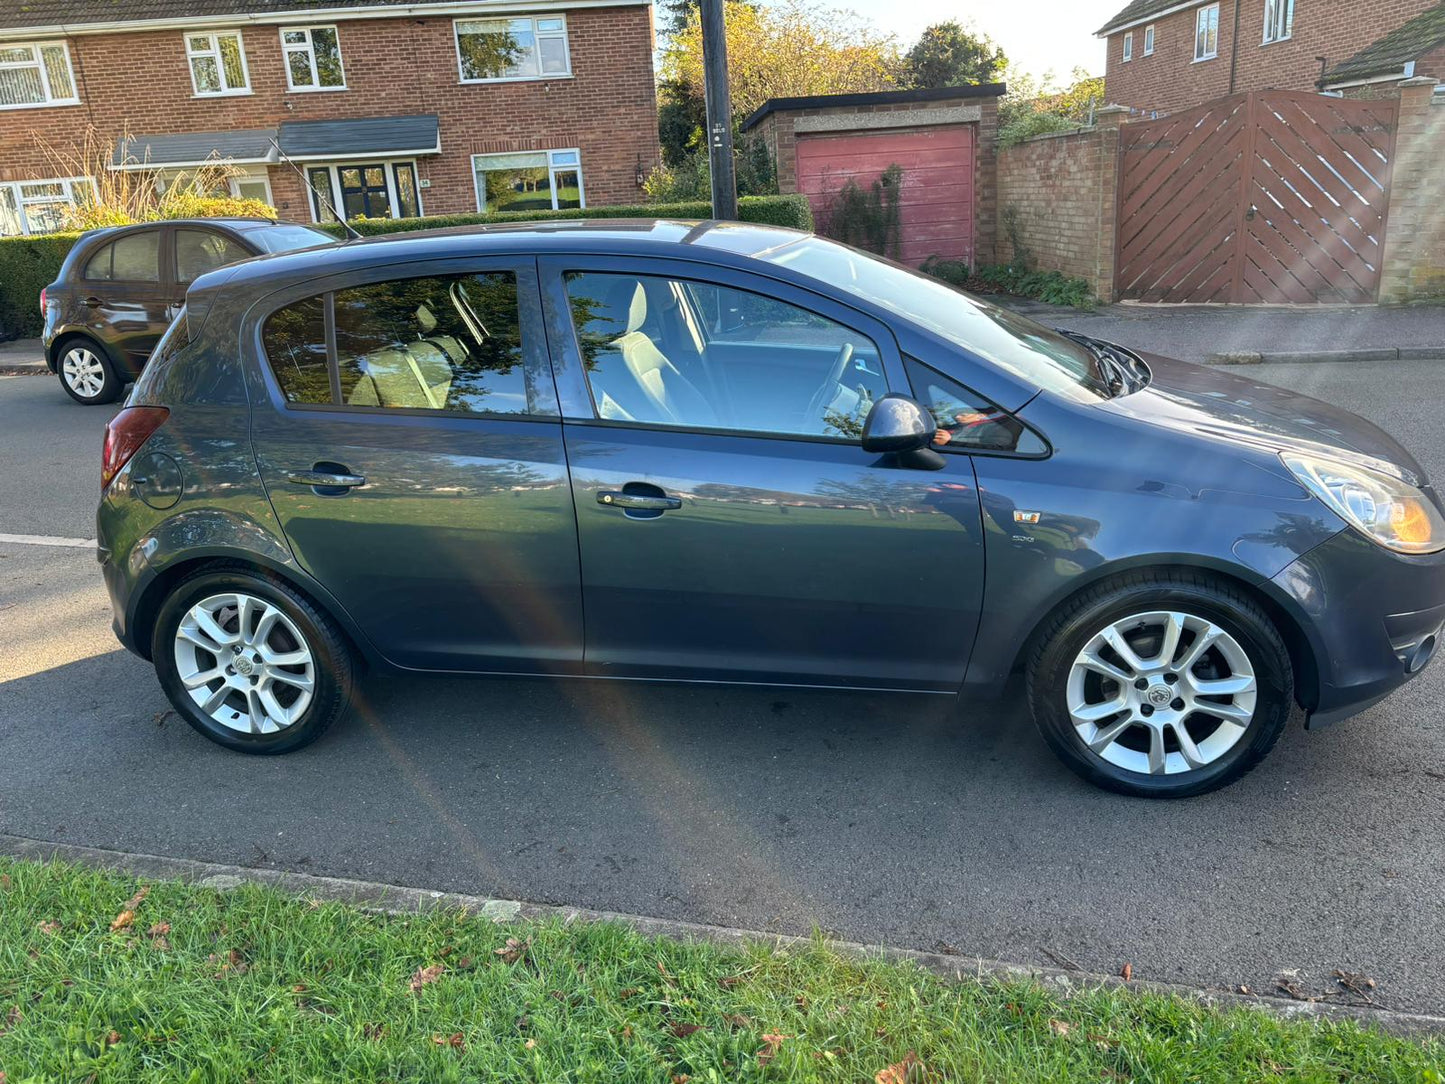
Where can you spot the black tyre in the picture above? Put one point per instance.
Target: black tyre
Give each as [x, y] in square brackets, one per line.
[251, 663]
[1160, 684]
[86, 373]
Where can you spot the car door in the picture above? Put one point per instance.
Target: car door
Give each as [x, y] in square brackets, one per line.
[405, 423]
[731, 526]
[125, 288]
[198, 250]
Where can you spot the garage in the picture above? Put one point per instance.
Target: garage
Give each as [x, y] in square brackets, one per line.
[936, 205]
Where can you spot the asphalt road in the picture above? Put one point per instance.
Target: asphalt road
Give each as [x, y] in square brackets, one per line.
[895, 820]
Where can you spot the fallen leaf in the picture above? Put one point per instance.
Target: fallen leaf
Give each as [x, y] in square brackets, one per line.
[373, 1032]
[530, 1044]
[727, 982]
[456, 1042]
[13, 1017]
[680, 1078]
[801, 1002]
[631, 991]
[627, 1031]
[426, 975]
[1058, 1027]
[661, 970]
[122, 920]
[4, 887]
[134, 902]
[49, 927]
[736, 1020]
[1128, 972]
[682, 1031]
[900, 1072]
[112, 1038]
[514, 950]
[299, 988]
[160, 929]
[770, 1051]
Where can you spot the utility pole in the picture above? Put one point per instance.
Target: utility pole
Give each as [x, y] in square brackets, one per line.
[719, 112]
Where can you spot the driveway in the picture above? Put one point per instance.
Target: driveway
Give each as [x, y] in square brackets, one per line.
[897, 820]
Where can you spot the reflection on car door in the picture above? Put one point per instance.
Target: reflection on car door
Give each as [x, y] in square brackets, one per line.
[731, 528]
[407, 434]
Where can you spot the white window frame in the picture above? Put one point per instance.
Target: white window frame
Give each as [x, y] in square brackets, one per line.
[1128, 46]
[16, 190]
[310, 50]
[213, 51]
[537, 36]
[1149, 40]
[251, 178]
[552, 167]
[38, 62]
[1278, 21]
[333, 169]
[1202, 17]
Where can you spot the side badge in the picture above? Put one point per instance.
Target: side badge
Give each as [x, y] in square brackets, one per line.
[1026, 517]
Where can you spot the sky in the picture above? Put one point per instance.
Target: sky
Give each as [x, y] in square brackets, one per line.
[1038, 35]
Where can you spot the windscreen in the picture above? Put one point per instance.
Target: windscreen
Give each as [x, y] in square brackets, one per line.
[287, 238]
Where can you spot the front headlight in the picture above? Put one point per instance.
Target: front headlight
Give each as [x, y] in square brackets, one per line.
[1389, 511]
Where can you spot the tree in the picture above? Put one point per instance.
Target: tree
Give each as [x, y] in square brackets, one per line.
[948, 55]
[1032, 107]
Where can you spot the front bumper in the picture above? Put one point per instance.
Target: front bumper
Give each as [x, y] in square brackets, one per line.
[1374, 620]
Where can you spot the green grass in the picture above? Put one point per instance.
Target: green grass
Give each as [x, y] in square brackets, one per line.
[253, 985]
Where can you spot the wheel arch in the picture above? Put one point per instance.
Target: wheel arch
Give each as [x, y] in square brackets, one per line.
[68, 336]
[151, 597]
[1282, 611]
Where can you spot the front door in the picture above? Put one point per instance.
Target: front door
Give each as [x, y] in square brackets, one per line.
[364, 191]
[407, 433]
[731, 527]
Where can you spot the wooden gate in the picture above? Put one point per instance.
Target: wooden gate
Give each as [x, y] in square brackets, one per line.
[1275, 196]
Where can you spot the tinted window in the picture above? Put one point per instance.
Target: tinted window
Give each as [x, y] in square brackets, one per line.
[133, 258]
[287, 238]
[449, 343]
[295, 341]
[967, 420]
[661, 351]
[199, 251]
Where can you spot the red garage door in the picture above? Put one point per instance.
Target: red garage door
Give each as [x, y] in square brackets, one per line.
[937, 202]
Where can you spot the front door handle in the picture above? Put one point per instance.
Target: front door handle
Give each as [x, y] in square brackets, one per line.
[325, 478]
[92, 302]
[616, 498]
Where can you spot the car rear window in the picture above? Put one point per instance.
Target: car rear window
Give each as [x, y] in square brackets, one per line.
[136, 257]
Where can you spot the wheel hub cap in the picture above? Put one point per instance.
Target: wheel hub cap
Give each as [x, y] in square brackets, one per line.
[1161, 693]
[245, 663]
[83, 372]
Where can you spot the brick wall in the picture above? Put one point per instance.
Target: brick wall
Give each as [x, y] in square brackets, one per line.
[1414, 260]
[1061, 191]
[1171, 80]
[140, 82]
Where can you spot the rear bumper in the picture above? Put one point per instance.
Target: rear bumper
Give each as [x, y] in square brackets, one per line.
[1374, 619]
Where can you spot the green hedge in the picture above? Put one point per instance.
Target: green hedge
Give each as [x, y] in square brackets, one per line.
[27, 266]
[29, 263]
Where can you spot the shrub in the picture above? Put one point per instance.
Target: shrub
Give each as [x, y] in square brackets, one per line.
[953, 272]
[29, 263]
[1052, 287]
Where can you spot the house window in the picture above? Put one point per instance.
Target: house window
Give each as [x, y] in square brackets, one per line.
[32, 75]
[1128, 47]
[364, 190]
[313, 58]
[1206, 33]
[530, 181]
[40, 206]
[1278, 20]
[1149, 40]
[218, 63]
[255, 186]
[492, 49]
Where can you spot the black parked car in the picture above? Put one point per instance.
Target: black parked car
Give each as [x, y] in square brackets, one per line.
[120, 287]
[728, 453]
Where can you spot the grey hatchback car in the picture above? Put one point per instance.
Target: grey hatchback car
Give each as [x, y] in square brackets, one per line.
[728, 453]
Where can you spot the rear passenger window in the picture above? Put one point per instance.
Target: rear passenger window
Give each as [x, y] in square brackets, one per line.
[295, 341]
[450, 343]
[133, 258]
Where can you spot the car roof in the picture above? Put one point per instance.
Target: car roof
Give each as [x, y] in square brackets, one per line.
[724, 242]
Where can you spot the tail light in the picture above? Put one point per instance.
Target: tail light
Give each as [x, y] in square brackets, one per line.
[124, 436]
[42, 301]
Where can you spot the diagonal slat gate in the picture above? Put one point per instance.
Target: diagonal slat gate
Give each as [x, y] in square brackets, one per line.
[1275, 196]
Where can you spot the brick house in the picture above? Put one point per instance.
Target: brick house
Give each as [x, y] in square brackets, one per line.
[1164, 56]
[387, 109]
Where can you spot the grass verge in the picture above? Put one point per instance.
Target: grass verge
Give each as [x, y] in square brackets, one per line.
[106, 978]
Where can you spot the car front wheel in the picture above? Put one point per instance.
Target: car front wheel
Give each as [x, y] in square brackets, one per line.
[250, 663]
[1163, 685]
[86, 375]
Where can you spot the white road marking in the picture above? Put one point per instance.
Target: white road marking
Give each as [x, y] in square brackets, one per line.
[48, 540]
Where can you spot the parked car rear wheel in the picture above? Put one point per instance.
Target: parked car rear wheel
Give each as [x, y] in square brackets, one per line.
[86, 374]
[250, 663]
[1161, 685]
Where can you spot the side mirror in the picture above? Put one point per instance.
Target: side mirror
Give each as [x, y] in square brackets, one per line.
[897, 425]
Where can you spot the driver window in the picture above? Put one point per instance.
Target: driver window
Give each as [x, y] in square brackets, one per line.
[662, 351]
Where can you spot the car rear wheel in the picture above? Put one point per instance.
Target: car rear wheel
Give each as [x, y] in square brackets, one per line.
[1163, 685]
[86, 375]
[250, 663]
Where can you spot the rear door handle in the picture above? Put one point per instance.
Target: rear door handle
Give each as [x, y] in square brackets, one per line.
[93, 301]
[616, 498]
[325, 478]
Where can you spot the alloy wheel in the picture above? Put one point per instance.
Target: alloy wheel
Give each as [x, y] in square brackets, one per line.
[245, 663]
[1161, 693]
[83, 372]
